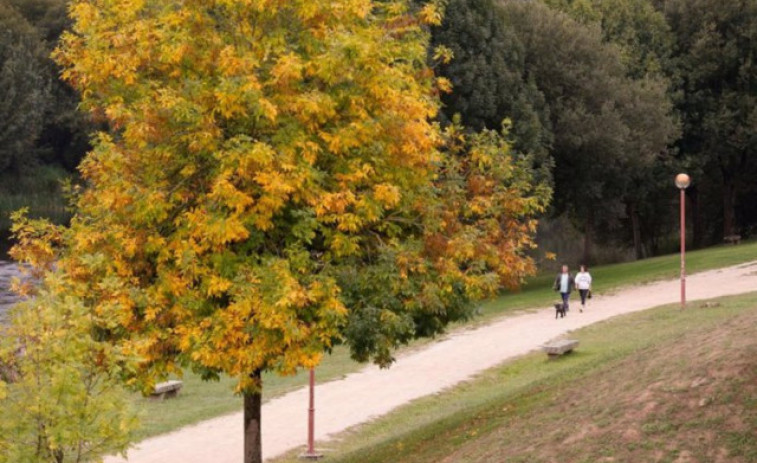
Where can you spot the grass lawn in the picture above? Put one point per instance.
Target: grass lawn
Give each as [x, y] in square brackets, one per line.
[663, 385]
[201, 400]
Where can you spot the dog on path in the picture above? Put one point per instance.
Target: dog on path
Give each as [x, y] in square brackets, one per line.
[559, 310]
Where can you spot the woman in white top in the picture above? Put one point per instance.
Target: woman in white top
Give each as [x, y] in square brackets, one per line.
[583, 283]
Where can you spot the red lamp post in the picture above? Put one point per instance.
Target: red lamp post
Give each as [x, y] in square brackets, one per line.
[311, 454]
[682, 182]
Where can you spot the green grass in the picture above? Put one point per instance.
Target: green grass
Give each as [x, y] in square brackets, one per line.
[39, 190]
[201, 400]
[630, 388]
[38, 204]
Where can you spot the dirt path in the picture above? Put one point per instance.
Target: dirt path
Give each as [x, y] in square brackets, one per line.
[372, 392]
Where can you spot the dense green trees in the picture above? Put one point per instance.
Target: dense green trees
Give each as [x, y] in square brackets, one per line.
[24, 90]
[64, 137]
[488, 79]
[644, 40]
[714, 70]
[570, 97]
[705, 50]
[43, 136]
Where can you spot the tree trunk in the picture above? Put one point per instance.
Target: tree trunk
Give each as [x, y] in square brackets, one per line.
[729, 208]
[633, 214]
[253, 448]
[588, 231]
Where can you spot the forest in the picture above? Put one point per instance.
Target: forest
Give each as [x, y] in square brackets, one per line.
[610, 99]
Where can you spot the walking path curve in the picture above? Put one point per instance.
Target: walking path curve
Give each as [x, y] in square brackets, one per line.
[372, 392]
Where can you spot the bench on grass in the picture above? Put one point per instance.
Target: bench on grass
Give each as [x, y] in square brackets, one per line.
[732, 239]
[557, 348]
[167, 389]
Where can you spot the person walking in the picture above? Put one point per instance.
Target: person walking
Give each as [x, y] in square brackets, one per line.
[583, 283]
[564, 283]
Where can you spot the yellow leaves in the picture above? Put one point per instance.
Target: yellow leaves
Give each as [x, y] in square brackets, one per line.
[287, 70]
[387, 194]
[217, 286]
[314, 109]
[444, 85]
[36, 242]
[229, 104]
[335, 203]
[358, 174]
[361, 8]
[309, 151]
[432, 14]
[443, 54]
[229, 61]
[215, 229]
[275, 183]
[259, 142]
[344, 245]
[226, 194]
[268, 109]
[251, 158]
[84, 15]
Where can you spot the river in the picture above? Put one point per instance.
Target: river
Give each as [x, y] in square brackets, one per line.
[8, 270]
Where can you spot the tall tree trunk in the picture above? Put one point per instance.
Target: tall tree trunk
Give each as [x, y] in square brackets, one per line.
[253, 448]
[588, 232]
[729, 207]
[633, 214]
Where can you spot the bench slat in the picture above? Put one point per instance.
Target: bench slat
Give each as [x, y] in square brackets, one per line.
[560, 347]
[167, 389]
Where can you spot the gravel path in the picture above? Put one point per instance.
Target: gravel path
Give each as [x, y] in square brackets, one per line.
[372, 392]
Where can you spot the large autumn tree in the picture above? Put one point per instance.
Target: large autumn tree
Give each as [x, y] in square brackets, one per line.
[272, 184]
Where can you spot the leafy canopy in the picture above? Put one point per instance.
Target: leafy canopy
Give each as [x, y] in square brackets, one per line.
[272, 184]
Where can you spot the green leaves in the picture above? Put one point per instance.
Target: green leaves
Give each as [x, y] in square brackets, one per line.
[62, 400]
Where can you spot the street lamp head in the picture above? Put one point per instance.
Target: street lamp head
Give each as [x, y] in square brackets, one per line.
[683, 181]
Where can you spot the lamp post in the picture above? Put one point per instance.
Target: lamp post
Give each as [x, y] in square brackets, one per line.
[311, 454]
[682, 182]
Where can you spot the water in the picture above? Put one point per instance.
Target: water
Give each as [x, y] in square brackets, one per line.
[8, 271]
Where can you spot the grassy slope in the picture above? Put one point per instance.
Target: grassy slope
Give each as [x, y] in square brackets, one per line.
[663, 385]
[202, 400]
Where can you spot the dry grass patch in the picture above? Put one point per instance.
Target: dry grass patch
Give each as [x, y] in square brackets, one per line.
[663, 385]
[692, 400]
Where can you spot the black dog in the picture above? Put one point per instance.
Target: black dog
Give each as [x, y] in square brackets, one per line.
[559, 310]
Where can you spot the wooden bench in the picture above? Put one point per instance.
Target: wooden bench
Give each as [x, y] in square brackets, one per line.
[555, 349]
[167, 389]
[732, 239]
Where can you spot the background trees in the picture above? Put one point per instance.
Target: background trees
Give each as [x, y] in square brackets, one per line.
[24, 90]
[576, 103]
[43, 136]
[713, 68]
